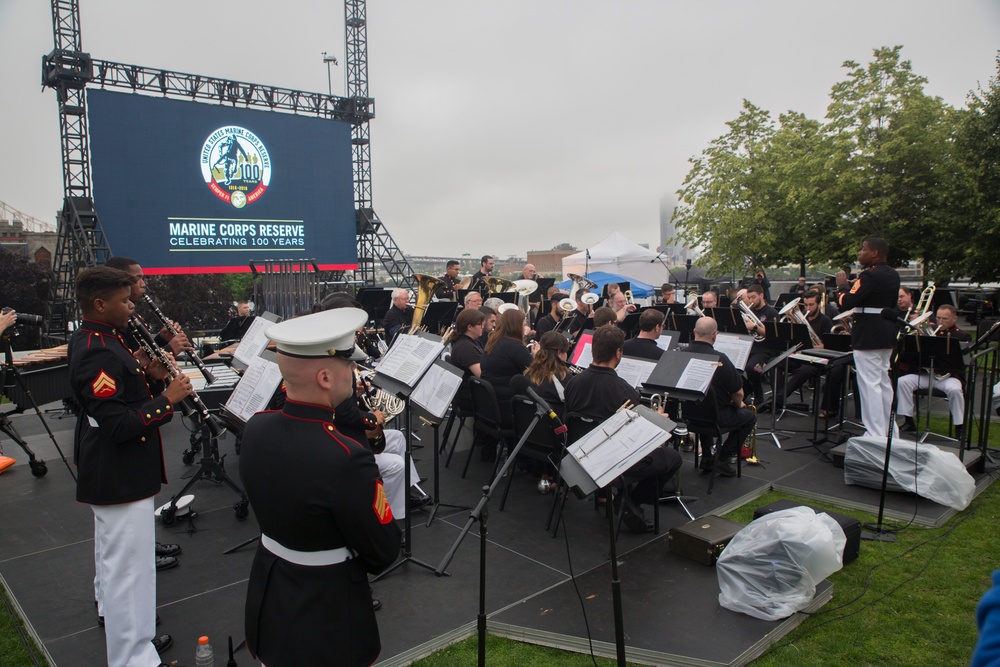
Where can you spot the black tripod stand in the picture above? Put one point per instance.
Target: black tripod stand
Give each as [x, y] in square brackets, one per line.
[211, 467]
[38, 466]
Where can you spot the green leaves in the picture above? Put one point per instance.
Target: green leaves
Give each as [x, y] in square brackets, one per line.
[888, 161]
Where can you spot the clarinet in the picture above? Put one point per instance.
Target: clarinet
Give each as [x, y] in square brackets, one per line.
[192, 404]
[164, 322]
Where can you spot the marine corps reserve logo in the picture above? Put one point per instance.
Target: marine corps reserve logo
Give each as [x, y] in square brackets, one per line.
[235, 165]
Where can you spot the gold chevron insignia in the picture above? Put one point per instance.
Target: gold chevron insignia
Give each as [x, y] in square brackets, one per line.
[103, 386]
[381, 505]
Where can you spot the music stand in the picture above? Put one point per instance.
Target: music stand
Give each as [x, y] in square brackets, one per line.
[772, 365]
[586, 480]
[729, 319]
[683, 324]
[789, 333]
[440, 314]
[506, 297]
[629, 324]
[375, 301]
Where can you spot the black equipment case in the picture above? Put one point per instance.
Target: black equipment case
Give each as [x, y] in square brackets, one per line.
[851, 526]
[703, 539]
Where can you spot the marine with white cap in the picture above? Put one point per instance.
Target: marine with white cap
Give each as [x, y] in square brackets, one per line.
[324, 516]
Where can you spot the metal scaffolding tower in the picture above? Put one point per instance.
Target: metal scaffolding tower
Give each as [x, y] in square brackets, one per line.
[69, 70]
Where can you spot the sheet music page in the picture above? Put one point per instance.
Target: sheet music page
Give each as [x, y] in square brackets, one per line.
[635, 371]
[697, 375]
[734, 347]
[253, 342]
[616, 445]
[664, 339]
[255, 388]
[408, 358]
[586, 356]
[436, 390]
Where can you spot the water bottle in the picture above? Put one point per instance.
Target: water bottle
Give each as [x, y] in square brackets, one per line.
[203, 656]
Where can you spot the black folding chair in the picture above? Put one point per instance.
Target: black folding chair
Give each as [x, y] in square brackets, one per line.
[487, 423]
[542, 444]
[461, 409]
[702, 420]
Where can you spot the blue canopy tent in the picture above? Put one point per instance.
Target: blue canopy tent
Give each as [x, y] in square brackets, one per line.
[640, 290]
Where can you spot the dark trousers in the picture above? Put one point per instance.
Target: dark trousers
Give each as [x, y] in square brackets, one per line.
[742, 421]
[754, 379]
[659, 465]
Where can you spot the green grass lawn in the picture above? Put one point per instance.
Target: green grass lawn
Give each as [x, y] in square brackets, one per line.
[908, 603]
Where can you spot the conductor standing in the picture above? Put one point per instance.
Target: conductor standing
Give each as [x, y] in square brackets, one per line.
[872, 337]
[324, 516]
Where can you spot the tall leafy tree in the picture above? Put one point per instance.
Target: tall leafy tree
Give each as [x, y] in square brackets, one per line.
[979, 144]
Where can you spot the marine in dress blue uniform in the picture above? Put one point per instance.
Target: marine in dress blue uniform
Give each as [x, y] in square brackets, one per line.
[872, 338]
[119, 459]
[324, 516]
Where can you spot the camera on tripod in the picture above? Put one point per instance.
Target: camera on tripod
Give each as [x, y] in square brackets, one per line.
[25, 318]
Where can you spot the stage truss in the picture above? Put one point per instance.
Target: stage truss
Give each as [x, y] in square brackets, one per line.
[69, 70]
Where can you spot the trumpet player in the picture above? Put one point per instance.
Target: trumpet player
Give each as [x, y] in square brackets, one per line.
[119, 457]
[872, 337]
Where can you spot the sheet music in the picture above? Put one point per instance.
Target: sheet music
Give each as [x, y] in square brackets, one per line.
[616, 445]
[586, 356]
[697, 375]
[253, 342]
[802, 356]
[734, 347]
[635, 371]
[255, 388]
[436, 390]
[408, 358]
[664, 340]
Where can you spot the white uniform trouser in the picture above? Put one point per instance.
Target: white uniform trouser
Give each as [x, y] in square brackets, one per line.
[125, 585]
[875, 388]
[391, 468]
[952, 388]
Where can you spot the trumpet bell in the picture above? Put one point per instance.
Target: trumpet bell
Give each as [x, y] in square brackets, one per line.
[590, 298]
[789, 307]
[568, 305]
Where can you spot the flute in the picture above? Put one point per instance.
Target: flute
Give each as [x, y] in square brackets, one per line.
[191, 404]
[164, 322]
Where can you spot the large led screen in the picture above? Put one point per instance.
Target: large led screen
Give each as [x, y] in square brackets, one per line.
[185, 187]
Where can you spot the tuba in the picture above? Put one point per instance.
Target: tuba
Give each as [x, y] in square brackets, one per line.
[580, 283]
[426, 286]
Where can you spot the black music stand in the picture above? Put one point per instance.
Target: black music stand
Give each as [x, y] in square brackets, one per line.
[439, 315]
[629, 324]
[789, 333]
[730, 320]
[932, 349]
[434, 421]
[770, 367]
[403, 391]
[684, 324]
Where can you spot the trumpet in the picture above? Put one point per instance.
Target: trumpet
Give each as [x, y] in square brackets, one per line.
[189, 406]
[168, 325]
[748, 314]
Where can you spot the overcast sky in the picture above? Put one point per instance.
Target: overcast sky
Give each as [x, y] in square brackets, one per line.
[506, 126]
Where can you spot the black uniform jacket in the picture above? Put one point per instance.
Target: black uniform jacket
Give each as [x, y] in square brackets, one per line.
[878, 287]
[313, 489]
[447, 291]
[117, 445]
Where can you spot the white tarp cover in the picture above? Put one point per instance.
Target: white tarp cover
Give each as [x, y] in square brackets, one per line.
[922, 469]
[617, 254]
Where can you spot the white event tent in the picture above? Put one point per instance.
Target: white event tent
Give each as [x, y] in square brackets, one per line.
[617, 254]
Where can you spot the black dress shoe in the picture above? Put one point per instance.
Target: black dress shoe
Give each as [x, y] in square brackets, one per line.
[909, 426]
[376, 604]
[706, 462]
[725, 469]
[419, 500]
[166, 562]
[634, 518]
[162, 642]
[167, 549]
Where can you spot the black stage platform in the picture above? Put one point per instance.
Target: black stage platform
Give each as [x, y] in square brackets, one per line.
[46, 560]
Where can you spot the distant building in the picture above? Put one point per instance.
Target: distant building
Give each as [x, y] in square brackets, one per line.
[548, 263]
[36, 246]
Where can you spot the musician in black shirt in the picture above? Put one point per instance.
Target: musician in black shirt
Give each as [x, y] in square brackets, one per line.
[549, 322]
[644, 345]
[760, 353]
[400, 313]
